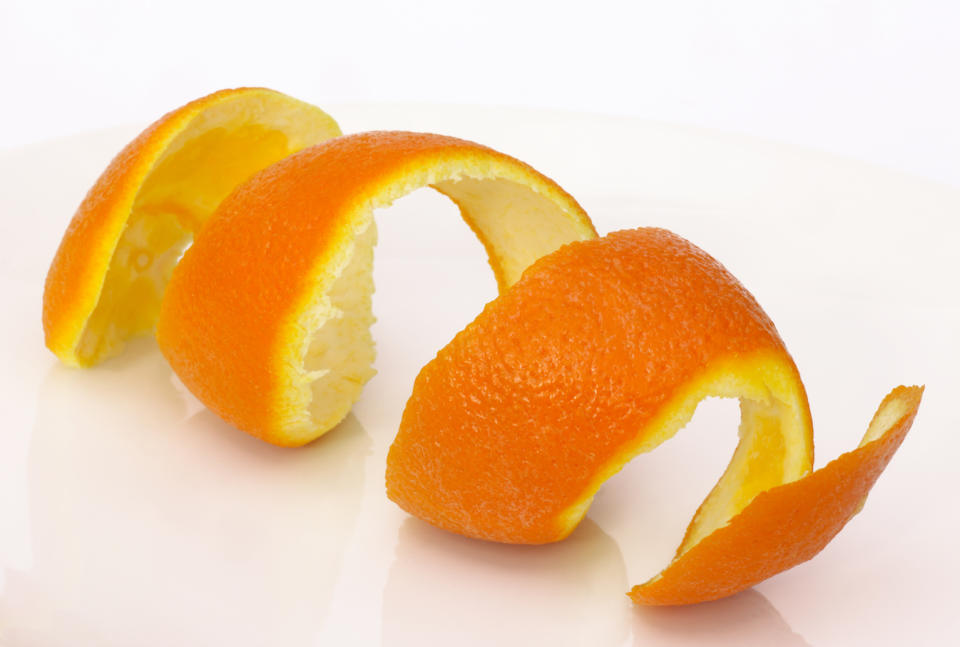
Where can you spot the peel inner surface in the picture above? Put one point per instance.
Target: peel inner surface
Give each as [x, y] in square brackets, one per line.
[515, 224]
[774, 439]
[150, 202]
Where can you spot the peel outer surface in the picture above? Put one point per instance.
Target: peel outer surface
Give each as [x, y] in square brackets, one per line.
[600, 352]
[243, 302]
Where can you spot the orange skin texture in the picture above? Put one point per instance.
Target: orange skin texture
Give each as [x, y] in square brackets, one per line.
[782, 527]
[509, 424]
[248, 270]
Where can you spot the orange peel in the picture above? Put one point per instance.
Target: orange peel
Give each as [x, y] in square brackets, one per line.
[600, 352]
[107, 279]
[596, 350]
[266, 317]
[789, 524]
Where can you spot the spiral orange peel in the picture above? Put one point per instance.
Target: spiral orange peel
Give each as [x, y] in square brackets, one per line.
[596, 350]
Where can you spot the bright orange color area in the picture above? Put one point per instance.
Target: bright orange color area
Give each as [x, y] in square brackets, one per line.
[786, 525]
[108, 277]
[602, 351]
[266, 318]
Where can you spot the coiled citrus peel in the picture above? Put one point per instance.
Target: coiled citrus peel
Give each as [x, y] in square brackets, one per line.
[600, 352]
[596, 350]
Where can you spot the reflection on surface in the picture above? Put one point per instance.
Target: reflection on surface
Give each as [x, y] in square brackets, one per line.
[152, 528]
[444, 589]
[743, 620]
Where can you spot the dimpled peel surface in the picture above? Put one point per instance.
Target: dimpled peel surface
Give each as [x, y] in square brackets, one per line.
[585, 362]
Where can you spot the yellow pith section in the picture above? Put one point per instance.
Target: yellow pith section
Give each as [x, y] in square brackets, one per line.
[339, 350]
[173, 203]
[775, 439]
[218, 149]
[886, 416]
[889, 413]
[190, 182]
[517, 225]
[138, 274]
[762, 449]
[327, 352]
[762, 460]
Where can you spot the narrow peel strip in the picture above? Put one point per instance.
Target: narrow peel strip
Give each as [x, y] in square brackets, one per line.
[786, 525]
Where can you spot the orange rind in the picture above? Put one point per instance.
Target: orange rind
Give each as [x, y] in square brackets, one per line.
[599, 353]
[597, 350]
[267, 316]
[108, 276]
[786, 525]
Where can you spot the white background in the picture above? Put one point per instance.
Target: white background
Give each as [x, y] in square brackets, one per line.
[131, 515]
[875, 79]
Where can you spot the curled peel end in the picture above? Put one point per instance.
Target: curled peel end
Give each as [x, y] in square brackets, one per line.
[107, 279]
[788, 524]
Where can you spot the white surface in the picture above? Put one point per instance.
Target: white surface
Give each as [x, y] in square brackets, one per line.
[875, 79]
[130, 515]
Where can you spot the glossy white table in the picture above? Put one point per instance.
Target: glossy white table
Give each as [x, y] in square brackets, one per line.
[131, 515]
